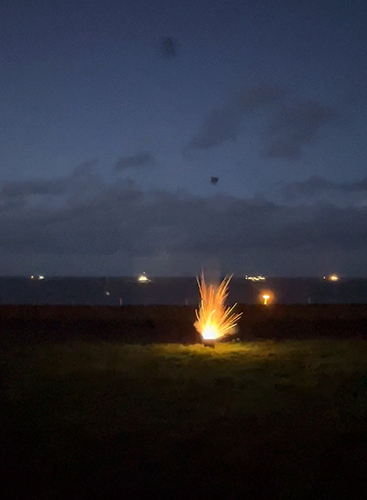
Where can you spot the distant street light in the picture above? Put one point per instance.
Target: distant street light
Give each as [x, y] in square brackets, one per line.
[266, 297]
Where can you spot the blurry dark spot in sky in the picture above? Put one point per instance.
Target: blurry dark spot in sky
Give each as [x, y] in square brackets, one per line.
[168, 47]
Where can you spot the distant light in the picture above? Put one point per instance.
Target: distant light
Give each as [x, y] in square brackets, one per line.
[266, 297]
[32, 277]
[108, 293]
[40, 277]
[143, 278]
[255, 278]
[333, 277]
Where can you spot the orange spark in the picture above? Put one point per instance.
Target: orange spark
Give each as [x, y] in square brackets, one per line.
[214, 319]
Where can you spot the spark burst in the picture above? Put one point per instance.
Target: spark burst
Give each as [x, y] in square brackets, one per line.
[214, 319]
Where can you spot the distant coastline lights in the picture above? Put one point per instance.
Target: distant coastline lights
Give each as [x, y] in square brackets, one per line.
[255, 278]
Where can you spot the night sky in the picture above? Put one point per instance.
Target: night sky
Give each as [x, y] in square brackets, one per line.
[114, 116]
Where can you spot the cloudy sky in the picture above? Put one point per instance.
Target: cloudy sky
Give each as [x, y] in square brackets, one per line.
[114, 116]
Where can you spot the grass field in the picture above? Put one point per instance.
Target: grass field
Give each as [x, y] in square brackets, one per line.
[274, 420]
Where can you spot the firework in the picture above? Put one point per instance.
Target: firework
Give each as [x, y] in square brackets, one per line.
[214, 319]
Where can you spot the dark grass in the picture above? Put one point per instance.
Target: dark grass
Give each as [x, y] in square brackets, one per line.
[162, 324]
[272, 420]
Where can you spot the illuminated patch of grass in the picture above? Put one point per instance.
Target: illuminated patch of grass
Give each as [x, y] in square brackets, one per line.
[270, 399]
[192, 382]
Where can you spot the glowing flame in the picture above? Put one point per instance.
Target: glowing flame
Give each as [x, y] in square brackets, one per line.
[214, 319]
[210, 332]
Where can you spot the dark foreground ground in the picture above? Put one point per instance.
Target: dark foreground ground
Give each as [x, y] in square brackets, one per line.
[84, 418]
[174, 324]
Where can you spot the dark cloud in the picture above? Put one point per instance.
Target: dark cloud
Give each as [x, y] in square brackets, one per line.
[14, 189]
[141, 159]
[83, 174]
[356, 186]
[224, 123]
[309, 189]
[317, 187]
[120, 219]
[293, 128]
[168, 47]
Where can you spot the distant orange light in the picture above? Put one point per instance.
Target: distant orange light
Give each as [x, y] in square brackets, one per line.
[266, 297]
